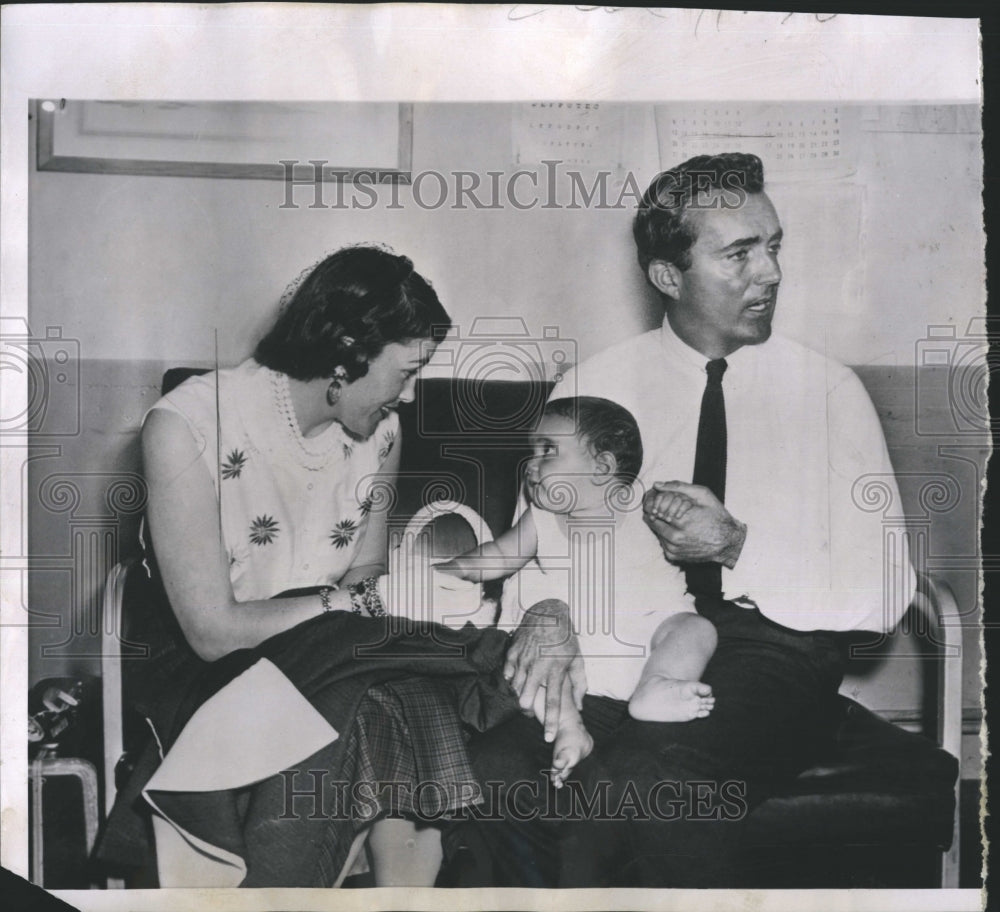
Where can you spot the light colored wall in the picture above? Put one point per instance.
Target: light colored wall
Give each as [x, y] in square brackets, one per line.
[147, 267]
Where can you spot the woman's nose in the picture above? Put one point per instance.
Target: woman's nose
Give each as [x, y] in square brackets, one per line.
[409, 391]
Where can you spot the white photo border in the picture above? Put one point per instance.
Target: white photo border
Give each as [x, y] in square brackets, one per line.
[447, 53]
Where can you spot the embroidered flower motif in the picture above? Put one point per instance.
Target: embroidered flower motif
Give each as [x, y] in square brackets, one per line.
[234, 463]
[388, 441]
[263, 530]
[343, 533]
[365, 507]
[348, 450]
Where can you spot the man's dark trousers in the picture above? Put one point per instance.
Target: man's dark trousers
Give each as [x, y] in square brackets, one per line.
[773, 688]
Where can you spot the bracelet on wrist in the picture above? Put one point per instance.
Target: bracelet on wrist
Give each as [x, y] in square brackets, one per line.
[357, 598]
[373, 601]
[365, 598]
[324, 597]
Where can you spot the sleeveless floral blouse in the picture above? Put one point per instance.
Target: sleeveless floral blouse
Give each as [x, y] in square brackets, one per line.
[294, 510]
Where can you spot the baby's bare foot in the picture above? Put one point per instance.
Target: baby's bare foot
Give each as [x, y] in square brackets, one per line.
[572, 744]
[676, 701]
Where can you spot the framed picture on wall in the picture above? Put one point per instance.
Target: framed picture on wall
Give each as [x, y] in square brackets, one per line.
[347, 141]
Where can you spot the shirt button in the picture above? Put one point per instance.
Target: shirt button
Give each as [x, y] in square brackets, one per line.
[305, 566]
[310, 486]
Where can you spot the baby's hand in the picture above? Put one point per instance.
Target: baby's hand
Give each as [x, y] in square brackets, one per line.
[667, 506]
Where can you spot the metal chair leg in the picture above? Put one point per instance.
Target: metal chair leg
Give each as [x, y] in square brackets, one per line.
[43, 767]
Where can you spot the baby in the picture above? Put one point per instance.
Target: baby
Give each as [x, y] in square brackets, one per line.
[587, 453]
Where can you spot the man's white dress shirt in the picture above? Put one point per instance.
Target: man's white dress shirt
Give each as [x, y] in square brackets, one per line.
[803, 440]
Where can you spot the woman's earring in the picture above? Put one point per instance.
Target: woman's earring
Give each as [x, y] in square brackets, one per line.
[336, 383]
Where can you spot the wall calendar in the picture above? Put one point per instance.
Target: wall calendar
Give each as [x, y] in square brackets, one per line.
[792, 139]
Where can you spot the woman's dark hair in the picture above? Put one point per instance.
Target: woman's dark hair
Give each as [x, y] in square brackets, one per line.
[346, 310]
[661, 229]
[605, 427]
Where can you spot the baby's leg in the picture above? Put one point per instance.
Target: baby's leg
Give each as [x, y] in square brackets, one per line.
[669, 689]
[404, 856]
[572, 742]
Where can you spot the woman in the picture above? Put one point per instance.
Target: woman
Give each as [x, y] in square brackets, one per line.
[260, 481]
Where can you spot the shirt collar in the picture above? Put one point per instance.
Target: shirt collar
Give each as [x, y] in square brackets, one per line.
[679, 351]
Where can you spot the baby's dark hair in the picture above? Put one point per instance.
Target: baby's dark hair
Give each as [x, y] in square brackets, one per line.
[605, 427]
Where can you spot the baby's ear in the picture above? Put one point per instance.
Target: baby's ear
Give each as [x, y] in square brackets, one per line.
[605, 466]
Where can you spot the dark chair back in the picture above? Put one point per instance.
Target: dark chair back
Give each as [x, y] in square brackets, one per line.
[175, 376]
[467, 441]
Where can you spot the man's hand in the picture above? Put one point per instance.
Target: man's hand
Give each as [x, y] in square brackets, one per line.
[542, 652]
[692, 524]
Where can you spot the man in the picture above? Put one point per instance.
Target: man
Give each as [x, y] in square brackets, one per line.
[771, 441]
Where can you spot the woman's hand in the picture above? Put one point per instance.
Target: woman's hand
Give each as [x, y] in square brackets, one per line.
[543, 651]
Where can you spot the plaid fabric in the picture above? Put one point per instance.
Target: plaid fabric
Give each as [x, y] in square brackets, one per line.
[408, 732]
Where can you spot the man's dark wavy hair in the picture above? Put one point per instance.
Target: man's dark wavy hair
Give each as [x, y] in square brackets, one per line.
[605, 427]
[346, 310]
[661, 229]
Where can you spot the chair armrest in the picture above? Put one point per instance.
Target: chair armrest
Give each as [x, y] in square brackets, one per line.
[111, 674]
[935, 602]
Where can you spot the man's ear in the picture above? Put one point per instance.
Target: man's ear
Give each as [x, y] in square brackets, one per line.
[605, 467]
[666, 277]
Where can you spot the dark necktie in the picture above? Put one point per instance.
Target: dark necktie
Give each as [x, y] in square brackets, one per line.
[710, 469]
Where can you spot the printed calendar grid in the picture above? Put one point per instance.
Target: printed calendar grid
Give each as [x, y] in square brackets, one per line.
[793, 139]
[586, 134]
